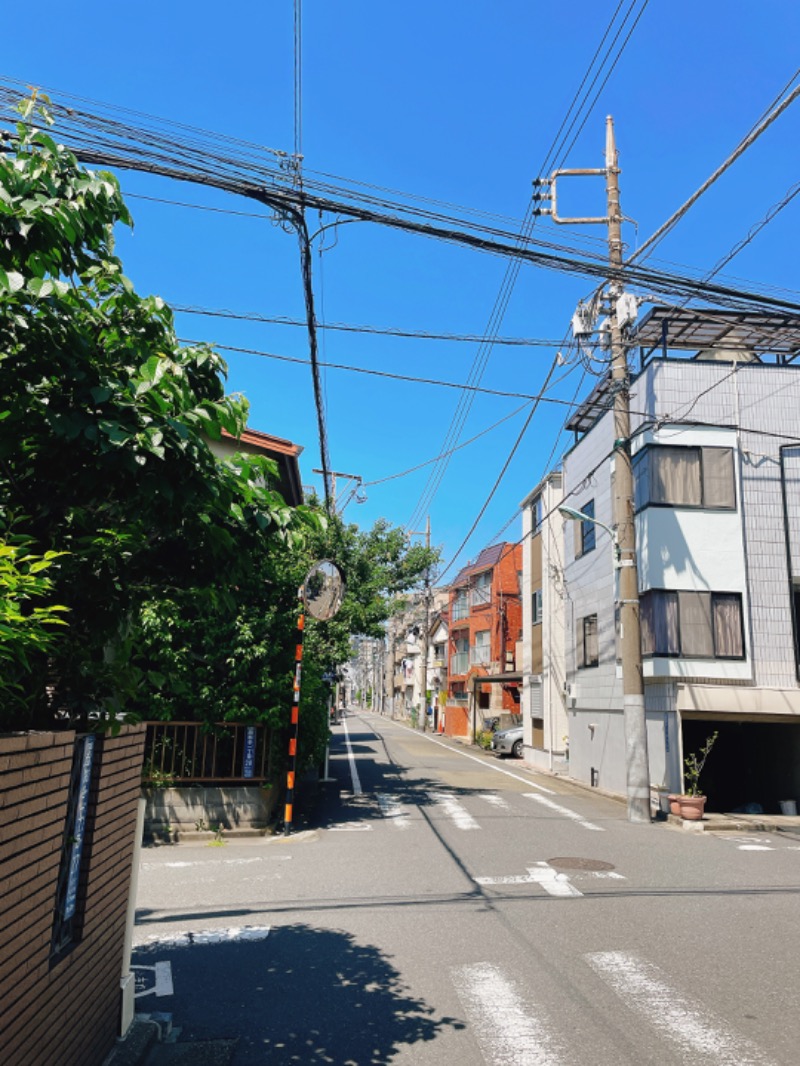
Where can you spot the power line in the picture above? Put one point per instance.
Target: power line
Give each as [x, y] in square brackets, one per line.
[458, 447]
[502, 473]
[742, 147]
[384, 331]
[495, 321]
[391, 375]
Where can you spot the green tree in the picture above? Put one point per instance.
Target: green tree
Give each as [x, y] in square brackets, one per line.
[104, 422]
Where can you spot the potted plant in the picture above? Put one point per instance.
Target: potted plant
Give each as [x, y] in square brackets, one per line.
[691, 804]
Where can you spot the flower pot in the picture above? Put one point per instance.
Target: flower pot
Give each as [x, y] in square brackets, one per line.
[674, 803]
[692, 807]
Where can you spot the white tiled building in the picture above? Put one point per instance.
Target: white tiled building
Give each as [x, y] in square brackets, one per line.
[716, 456]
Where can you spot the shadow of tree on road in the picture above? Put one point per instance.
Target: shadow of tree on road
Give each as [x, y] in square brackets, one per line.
[303, 995]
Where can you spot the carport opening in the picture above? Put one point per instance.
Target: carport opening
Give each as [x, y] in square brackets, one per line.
[751, 764]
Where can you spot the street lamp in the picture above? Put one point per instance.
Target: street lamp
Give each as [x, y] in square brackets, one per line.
[579, 516]
[637, 763]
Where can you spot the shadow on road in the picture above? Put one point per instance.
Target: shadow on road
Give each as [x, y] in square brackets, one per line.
[303, 995]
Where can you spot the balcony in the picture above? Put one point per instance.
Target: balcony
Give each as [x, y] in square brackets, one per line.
[459, 663]
[460, 609]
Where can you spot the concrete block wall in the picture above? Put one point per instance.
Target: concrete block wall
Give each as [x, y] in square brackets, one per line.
[63, 1010]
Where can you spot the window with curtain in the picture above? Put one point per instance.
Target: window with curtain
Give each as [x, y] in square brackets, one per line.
[675, 476]
[694, 625]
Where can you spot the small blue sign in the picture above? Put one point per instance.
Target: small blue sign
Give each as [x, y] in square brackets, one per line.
[249, 758]
[80, 826]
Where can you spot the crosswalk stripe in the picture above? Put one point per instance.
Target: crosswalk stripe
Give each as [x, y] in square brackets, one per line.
[702, 1038]
[564, 811]
[495, 801]
[508, 1031]
[391, 807]
[453, 809]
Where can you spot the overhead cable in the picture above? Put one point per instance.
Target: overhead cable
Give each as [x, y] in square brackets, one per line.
[742, 147]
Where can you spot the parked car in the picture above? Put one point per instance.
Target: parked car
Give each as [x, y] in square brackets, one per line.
[508, 742]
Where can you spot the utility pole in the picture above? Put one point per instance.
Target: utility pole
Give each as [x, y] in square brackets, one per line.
[636, 758]
[426, 595]
[627, 596]
[333, 475]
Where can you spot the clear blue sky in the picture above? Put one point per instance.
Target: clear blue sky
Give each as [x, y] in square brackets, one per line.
[453, 101]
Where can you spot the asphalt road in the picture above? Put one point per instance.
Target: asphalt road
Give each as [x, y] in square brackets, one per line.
[440, 906]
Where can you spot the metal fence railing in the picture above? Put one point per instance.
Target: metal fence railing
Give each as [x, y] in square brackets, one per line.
[179, 753]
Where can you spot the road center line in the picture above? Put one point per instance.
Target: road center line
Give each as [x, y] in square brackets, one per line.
[357, 790]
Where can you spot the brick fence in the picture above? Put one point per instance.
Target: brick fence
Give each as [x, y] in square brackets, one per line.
[61, 1002]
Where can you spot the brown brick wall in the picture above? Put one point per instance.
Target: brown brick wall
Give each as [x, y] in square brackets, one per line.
[65, 1013]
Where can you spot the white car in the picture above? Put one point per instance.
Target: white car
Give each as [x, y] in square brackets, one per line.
[508, 742]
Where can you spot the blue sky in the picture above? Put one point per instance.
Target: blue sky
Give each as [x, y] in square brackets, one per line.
[456, 102]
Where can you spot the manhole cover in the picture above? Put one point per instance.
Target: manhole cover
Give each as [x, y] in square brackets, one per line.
[570, 863]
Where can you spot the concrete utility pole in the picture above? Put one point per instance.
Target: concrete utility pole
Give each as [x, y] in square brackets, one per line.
[333, 475]
[627, 596]
[637, 763]
[426, 597]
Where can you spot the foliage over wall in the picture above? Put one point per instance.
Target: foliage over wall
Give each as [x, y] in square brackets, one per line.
[139, 575]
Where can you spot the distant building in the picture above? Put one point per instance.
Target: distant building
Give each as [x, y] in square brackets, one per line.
[485, 627]
[544, 613]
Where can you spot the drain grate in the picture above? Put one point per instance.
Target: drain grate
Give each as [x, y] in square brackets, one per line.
[576, 863]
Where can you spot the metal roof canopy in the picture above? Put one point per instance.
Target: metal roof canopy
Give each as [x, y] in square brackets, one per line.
[694, 329]
[596, 403]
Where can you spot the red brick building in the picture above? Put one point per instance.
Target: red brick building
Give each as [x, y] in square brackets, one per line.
[485, 625]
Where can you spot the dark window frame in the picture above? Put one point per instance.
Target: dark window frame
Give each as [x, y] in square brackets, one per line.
[714, 597]
[585, 663]
[587, 531]
[650, 451]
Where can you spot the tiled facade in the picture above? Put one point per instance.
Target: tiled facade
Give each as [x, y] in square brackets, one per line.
[751, 408]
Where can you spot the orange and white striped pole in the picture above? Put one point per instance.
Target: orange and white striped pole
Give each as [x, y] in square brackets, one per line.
[293, 728]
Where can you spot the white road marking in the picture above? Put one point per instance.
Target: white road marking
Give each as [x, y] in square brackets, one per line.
[357, 790]
[506, 1027]
[495, 800]
[391, 807]
[565, 811]
[183, 938]
[453, 809]
[701, 1037]
[553, 882]
[349, 827]
[209, 862]
[755, 847]
[497, 769]
[162, 980]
